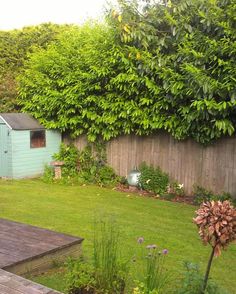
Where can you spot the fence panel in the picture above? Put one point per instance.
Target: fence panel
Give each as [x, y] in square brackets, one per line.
[212, 167]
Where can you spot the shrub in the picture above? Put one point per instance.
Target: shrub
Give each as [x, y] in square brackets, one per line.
[80, 277]
[203, 195]
[69, 154]
[106, 175]
[153, 179]
[93, 168]
[86, 166]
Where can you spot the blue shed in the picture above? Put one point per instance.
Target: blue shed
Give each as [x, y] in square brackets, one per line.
[25, 145]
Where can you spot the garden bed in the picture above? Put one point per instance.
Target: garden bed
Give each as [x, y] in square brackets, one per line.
[174, 198]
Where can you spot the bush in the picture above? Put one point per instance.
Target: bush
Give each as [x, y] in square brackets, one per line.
[93, 168]
[106, 175]
[203, 195]
[86, 166]
[70, 155]
[153, 179]
[80, 277]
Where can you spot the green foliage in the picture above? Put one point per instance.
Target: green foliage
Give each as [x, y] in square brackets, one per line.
[106, 175]
[107, 272]
[141, 289]
[85, 166]
[79, 277]
[93, 168]
[192, 282]
[154, 274]
[203, 195]
[124, 181]
[69, 154]
[71, 84]
[153, 179]
[173, 189]
[48, 174]
[111, 271]
[185, 53]
[15, 46]
[176, 188]
[164, 65]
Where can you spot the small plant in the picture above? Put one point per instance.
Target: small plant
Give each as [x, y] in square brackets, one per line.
[93, 168]
[193, 280]
[110, 269]
[106, 176]
[48, 174]
[80, 277]
[176, 189]
[124, 181]
[141, 289]
[203, 195]
[69, 154]
[155, 275]
[216, 221]
[153, 179]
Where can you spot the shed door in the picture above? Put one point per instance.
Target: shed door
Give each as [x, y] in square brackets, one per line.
[3, 150]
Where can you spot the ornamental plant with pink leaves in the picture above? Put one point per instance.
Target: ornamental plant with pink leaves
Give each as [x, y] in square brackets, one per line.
[216, 221]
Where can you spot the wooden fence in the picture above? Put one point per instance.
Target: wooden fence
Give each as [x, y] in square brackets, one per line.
[212, 167]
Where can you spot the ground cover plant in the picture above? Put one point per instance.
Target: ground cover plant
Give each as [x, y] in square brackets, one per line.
[71, 209]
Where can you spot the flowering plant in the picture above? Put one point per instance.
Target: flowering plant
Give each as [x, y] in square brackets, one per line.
[155, 273]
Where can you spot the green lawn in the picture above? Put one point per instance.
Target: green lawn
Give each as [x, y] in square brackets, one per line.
[71, 209]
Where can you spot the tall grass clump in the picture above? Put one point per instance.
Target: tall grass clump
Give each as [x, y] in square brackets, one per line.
[110, 268]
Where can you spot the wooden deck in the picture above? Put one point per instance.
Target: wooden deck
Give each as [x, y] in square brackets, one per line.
[13, 284]
[26, 249]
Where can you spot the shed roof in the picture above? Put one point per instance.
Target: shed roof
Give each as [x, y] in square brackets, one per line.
[21, 121]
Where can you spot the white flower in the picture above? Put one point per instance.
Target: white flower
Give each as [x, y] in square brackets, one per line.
[147, 181]
[181, 186]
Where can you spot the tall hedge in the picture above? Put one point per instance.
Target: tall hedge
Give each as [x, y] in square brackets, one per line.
[167, 65]
[15, 45]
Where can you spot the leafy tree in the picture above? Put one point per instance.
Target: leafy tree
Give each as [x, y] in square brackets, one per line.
[15, 45]
[157, 65]
[187, 49]
[69, 85]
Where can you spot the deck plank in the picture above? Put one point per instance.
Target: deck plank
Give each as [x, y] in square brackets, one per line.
[13, 284]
